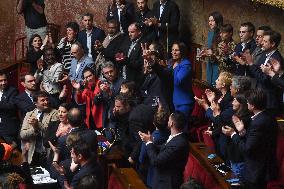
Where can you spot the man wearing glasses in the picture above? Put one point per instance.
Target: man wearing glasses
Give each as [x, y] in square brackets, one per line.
[246, 34]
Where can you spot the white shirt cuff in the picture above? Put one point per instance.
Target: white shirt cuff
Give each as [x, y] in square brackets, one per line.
[233, 134]
[149, 142]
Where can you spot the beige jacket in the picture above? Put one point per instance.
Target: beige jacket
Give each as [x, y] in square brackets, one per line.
[28, 133]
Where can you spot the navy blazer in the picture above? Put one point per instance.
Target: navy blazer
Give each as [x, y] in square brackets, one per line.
[89, 136]
[263, 81]
[126, 17]
[91, 168]
[97, 34]
[24, 104]
[134, 63]
[259, 148]
[170, 16]
[242, 69]
[169, 162]
[9, 124]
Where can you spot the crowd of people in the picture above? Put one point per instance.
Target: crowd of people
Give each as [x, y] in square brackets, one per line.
[125, 83]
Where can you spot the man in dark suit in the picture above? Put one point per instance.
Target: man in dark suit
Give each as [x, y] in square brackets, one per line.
[271, 40]
[257, 143]
[132, 64]
[109, 47]
[90, 35]
[246, 34]
[169, 162]
[9, 122]
[123, 12]
[82, 155]
[80, 134]
[76, 120]
[167, 16]
[143, 17]
[24, 101]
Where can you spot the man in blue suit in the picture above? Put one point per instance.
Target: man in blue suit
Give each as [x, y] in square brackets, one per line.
[169, 162]
[90, 35]
[24, 101]
[246, 34]
[257, 143]
[271, 40]
[9, 122]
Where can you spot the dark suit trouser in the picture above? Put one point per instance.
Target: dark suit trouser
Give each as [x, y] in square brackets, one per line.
[260, 185]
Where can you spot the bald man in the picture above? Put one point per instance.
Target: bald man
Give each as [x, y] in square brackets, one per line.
[79, 62]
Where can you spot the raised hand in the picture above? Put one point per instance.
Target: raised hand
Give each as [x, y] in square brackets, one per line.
[75, 85]
[210, 95]
[63, 92]
[145, 137]
[228, 131]
[276, 66]
[238, 123]
[245, 58]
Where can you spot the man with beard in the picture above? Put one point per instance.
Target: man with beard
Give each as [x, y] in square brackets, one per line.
[109, 47]
[128, 122]
[9, 123]
[123, 12]
[143, 17]
[270, 43]
[24, 100]
[170, 160]
[108, 89]
[50, 76]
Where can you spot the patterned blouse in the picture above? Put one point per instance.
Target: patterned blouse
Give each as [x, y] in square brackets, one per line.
[223, 52]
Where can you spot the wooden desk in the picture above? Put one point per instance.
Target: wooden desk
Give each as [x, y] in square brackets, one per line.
[125, 178]
[201, 152]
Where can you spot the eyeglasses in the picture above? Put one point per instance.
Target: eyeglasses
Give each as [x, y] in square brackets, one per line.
[243, 31]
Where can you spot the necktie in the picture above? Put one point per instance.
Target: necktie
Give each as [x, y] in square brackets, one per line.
[41, 116]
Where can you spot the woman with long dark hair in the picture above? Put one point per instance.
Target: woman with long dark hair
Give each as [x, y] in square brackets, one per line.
[34, 52]
[215, 21]
[234, 156]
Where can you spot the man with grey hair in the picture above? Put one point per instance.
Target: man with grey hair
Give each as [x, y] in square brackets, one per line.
[240, 84]
[109, 88]
[79, 62]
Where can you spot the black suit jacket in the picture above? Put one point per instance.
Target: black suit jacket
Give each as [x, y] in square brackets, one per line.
[149, 32]
[263, 81]
[259, 148]
[113, 47]
[9, 124]
[169, 162]
[126, 17]
[97, 34]
[170, 15]
[91, 168]
[89, 136]
[134, 63]
[24, 104]
[242, 69]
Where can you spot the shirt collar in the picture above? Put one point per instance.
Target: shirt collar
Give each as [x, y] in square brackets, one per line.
[270, 53]
[255, 115]
[172, 136]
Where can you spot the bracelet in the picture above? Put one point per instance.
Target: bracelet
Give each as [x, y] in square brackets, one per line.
[54, 161]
